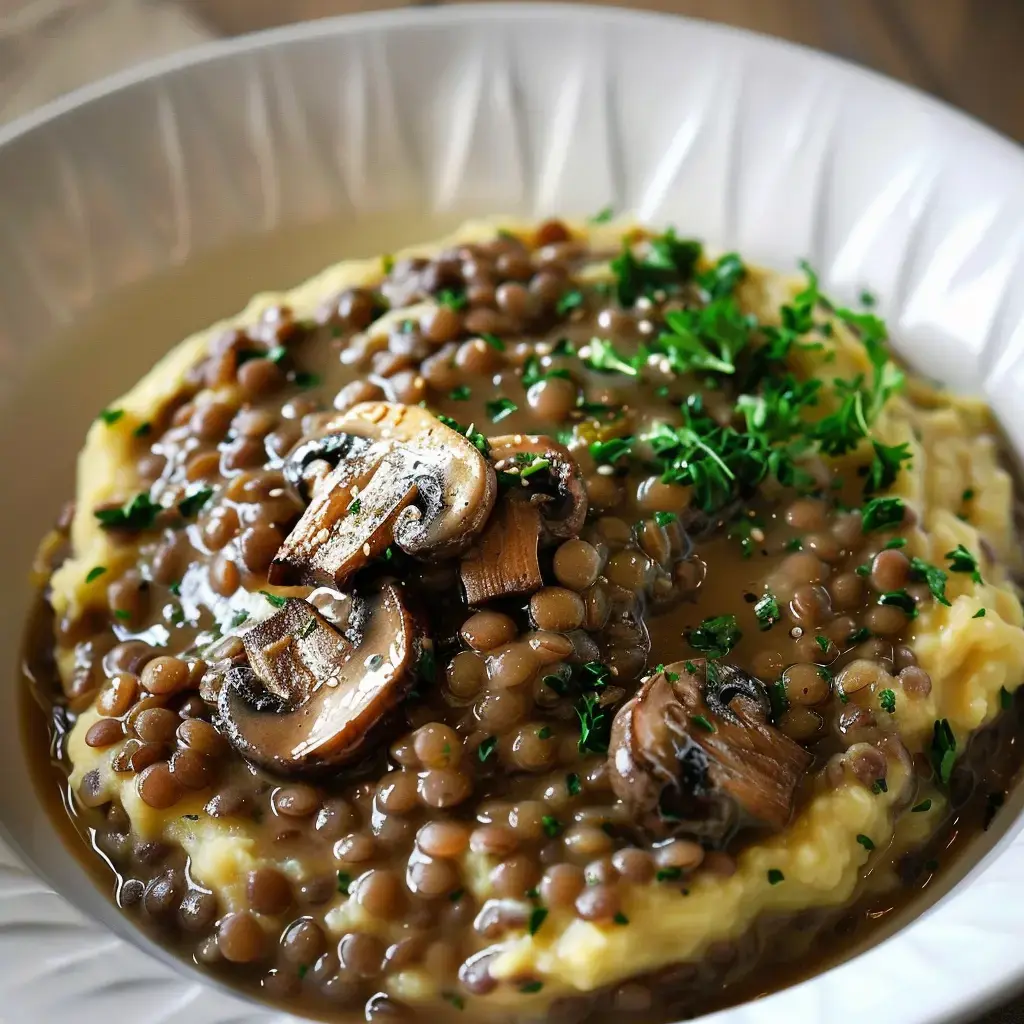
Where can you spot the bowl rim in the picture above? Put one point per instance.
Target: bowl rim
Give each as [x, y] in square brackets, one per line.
[981, 993]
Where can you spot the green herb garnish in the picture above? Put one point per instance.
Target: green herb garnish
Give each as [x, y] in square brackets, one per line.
[933, 576]
[191, 504]
[715, 637]
[137, 513]
[880, 513]
[537, 917]
[572, 784]
[487, 747]
[499, 408]
[924, 805]
[95, 573]
[961, 560]
[572, 299]
[703, 722]
[899, 599]
[111, 416]
[887, 701]
[595, 725]
[307, 627]
[665, 518]
[460, 394]
[451, 298]
[238, 618]
[603, 356]
[344, 881]
[277, 602]
[603, 215]
[865, 842]
[775, 876]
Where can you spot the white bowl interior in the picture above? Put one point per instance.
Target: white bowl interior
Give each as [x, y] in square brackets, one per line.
[354, 136]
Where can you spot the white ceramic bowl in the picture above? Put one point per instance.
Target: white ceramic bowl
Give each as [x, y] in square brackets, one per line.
[419, 118]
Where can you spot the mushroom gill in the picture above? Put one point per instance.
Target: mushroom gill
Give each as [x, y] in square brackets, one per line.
[400, 476]
[310, 695]
[693, 753]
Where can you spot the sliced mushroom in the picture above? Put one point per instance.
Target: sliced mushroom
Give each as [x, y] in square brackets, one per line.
[549, 474]
[412, 481]
[693, 753]
[311, 695]
[505, 560]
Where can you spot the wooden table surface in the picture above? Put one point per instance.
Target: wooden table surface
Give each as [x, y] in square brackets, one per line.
[967, 52]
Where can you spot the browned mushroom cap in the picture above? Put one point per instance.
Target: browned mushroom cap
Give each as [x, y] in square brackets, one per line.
[549, 474]
[417, 483]
[700, 757]
[312, 694]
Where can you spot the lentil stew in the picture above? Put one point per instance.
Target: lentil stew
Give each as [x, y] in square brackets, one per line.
[558, 624]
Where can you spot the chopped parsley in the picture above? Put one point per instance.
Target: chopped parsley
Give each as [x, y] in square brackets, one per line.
[899, 599]
[571, 300]
[138, 513]
[552, 826]
[865, 842]
[307, 627]
[122, 613]
[620, 918]
[544, 733]
[537, 918]
[943, 749]
[277, 602]
[612, 450]
[933, 576]
[142, 429]
[455, 999]
[924, 805]
[474, 437]
[95, 573]
[715, 637]
[530, 987]
[595, 725]
[536, 466]
[306, 380]
[596, 674]
[239, 617]
[665, 518]
[111, 416]
[822, 642]
[669, 261]
[879, 785]
[887, 701]
[344, 881]
[572, 784]
[1005, 698]
[452, 298]
[191, 504]
[487, 747]
[668, 874]
[460, 394]
[961, 560]
[775, 876]
[494, 341]
[603, 356]
[499, 408]
[703, 722]
[355, 507]
[979, 614]
[885, 466]
[880, 513]
[603, 215]
[457, 895]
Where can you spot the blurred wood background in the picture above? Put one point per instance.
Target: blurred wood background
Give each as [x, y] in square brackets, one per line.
[967, 52]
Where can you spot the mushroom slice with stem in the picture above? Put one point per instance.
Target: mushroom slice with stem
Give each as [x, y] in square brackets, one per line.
[505, 560]
[311, 695]
[414, 482]
[693, 753]
[549, 475]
